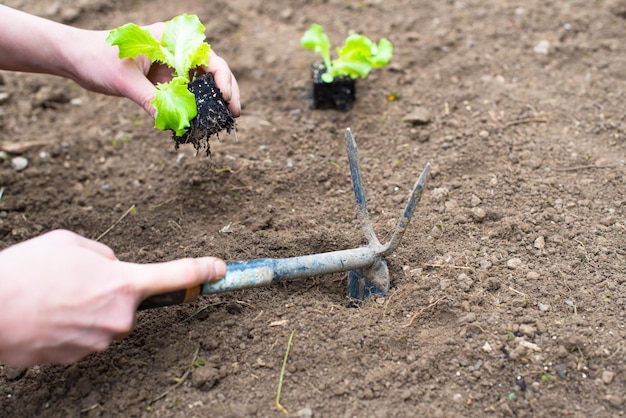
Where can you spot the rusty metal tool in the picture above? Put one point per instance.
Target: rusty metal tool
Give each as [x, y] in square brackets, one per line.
[366, 266]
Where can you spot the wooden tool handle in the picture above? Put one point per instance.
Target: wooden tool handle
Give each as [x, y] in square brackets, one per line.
[172, 298]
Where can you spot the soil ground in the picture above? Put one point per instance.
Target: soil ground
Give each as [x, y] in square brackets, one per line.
[508, 292]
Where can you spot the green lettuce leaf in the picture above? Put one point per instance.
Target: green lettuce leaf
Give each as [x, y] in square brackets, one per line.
[183, 44]
[316, 40]
[133, 40]
[175, 106]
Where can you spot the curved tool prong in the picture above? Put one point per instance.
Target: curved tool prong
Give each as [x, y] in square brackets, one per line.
[374, 279]
[405, 218]
[359, 194]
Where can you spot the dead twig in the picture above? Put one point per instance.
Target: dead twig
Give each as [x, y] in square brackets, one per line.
[450, 266]
[282, 374]
[92, 407]
[526, 120]
[583, 167]
[421, 311]
[181, 379]
[20, 147]
[130, 210]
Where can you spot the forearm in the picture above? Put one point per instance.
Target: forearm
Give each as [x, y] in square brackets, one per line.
[33, 44]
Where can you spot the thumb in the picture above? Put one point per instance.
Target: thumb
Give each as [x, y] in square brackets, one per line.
[141, 91]
[154, 279]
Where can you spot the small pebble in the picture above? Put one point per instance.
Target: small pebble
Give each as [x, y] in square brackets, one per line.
[19, 163]
[468, 318]
[439, 193]
[485, 264]
[561, 369]
[540, 243]
[532, 275]
[527, 329]
[615, 400]
[479, 214]
[607, 377]
[305, 413]
[543, 307]
[514, 263]
[542, 47]
[419, 116]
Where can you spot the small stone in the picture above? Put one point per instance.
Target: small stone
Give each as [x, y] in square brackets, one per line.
[19, 163]
[608, 221]
[487, 347]
[204, 378]
[485, 264]
[439, 193]
[451, 205]
[542, 47]
[419, 135]
[615, 400]
[305, 413]
[607, 376]
[514, 263]
[14, 373]
[286, 14]
[532, 275]
[529, 345]
[419, 116]
[540, 243]
[527, 329]
[4, 97]
[479, 214]
[475, 201]
[483, 134]
[543, 307]
[468, 318]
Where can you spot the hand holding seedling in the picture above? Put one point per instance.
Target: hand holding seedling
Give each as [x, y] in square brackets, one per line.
[190, 104]
[33, 44]
[74, 297]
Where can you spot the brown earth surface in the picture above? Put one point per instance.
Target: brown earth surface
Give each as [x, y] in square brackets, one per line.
[508, 291]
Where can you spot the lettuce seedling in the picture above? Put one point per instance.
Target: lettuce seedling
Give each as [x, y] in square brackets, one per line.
[182, 48]
[354, 59]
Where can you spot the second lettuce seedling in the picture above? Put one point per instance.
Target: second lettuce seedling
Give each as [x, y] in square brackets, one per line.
[354, 59]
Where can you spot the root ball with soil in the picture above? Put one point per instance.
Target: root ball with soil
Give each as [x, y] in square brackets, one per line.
[213, 114]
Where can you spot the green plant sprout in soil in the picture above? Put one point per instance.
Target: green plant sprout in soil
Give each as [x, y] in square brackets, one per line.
[190, 105]
[334, 80]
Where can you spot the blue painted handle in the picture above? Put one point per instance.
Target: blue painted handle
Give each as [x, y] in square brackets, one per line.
[267, 271]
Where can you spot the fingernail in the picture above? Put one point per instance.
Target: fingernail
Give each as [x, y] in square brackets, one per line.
[220, 269]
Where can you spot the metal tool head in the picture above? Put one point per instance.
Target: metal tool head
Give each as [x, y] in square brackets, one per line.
[374, 280]
[367, 270]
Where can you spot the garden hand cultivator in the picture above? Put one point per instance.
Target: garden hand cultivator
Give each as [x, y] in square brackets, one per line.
[367, 270]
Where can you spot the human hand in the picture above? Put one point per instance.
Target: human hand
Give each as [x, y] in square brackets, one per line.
[64, 296]
[96, 67]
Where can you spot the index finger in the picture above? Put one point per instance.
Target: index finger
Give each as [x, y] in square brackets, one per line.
[154, 279]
